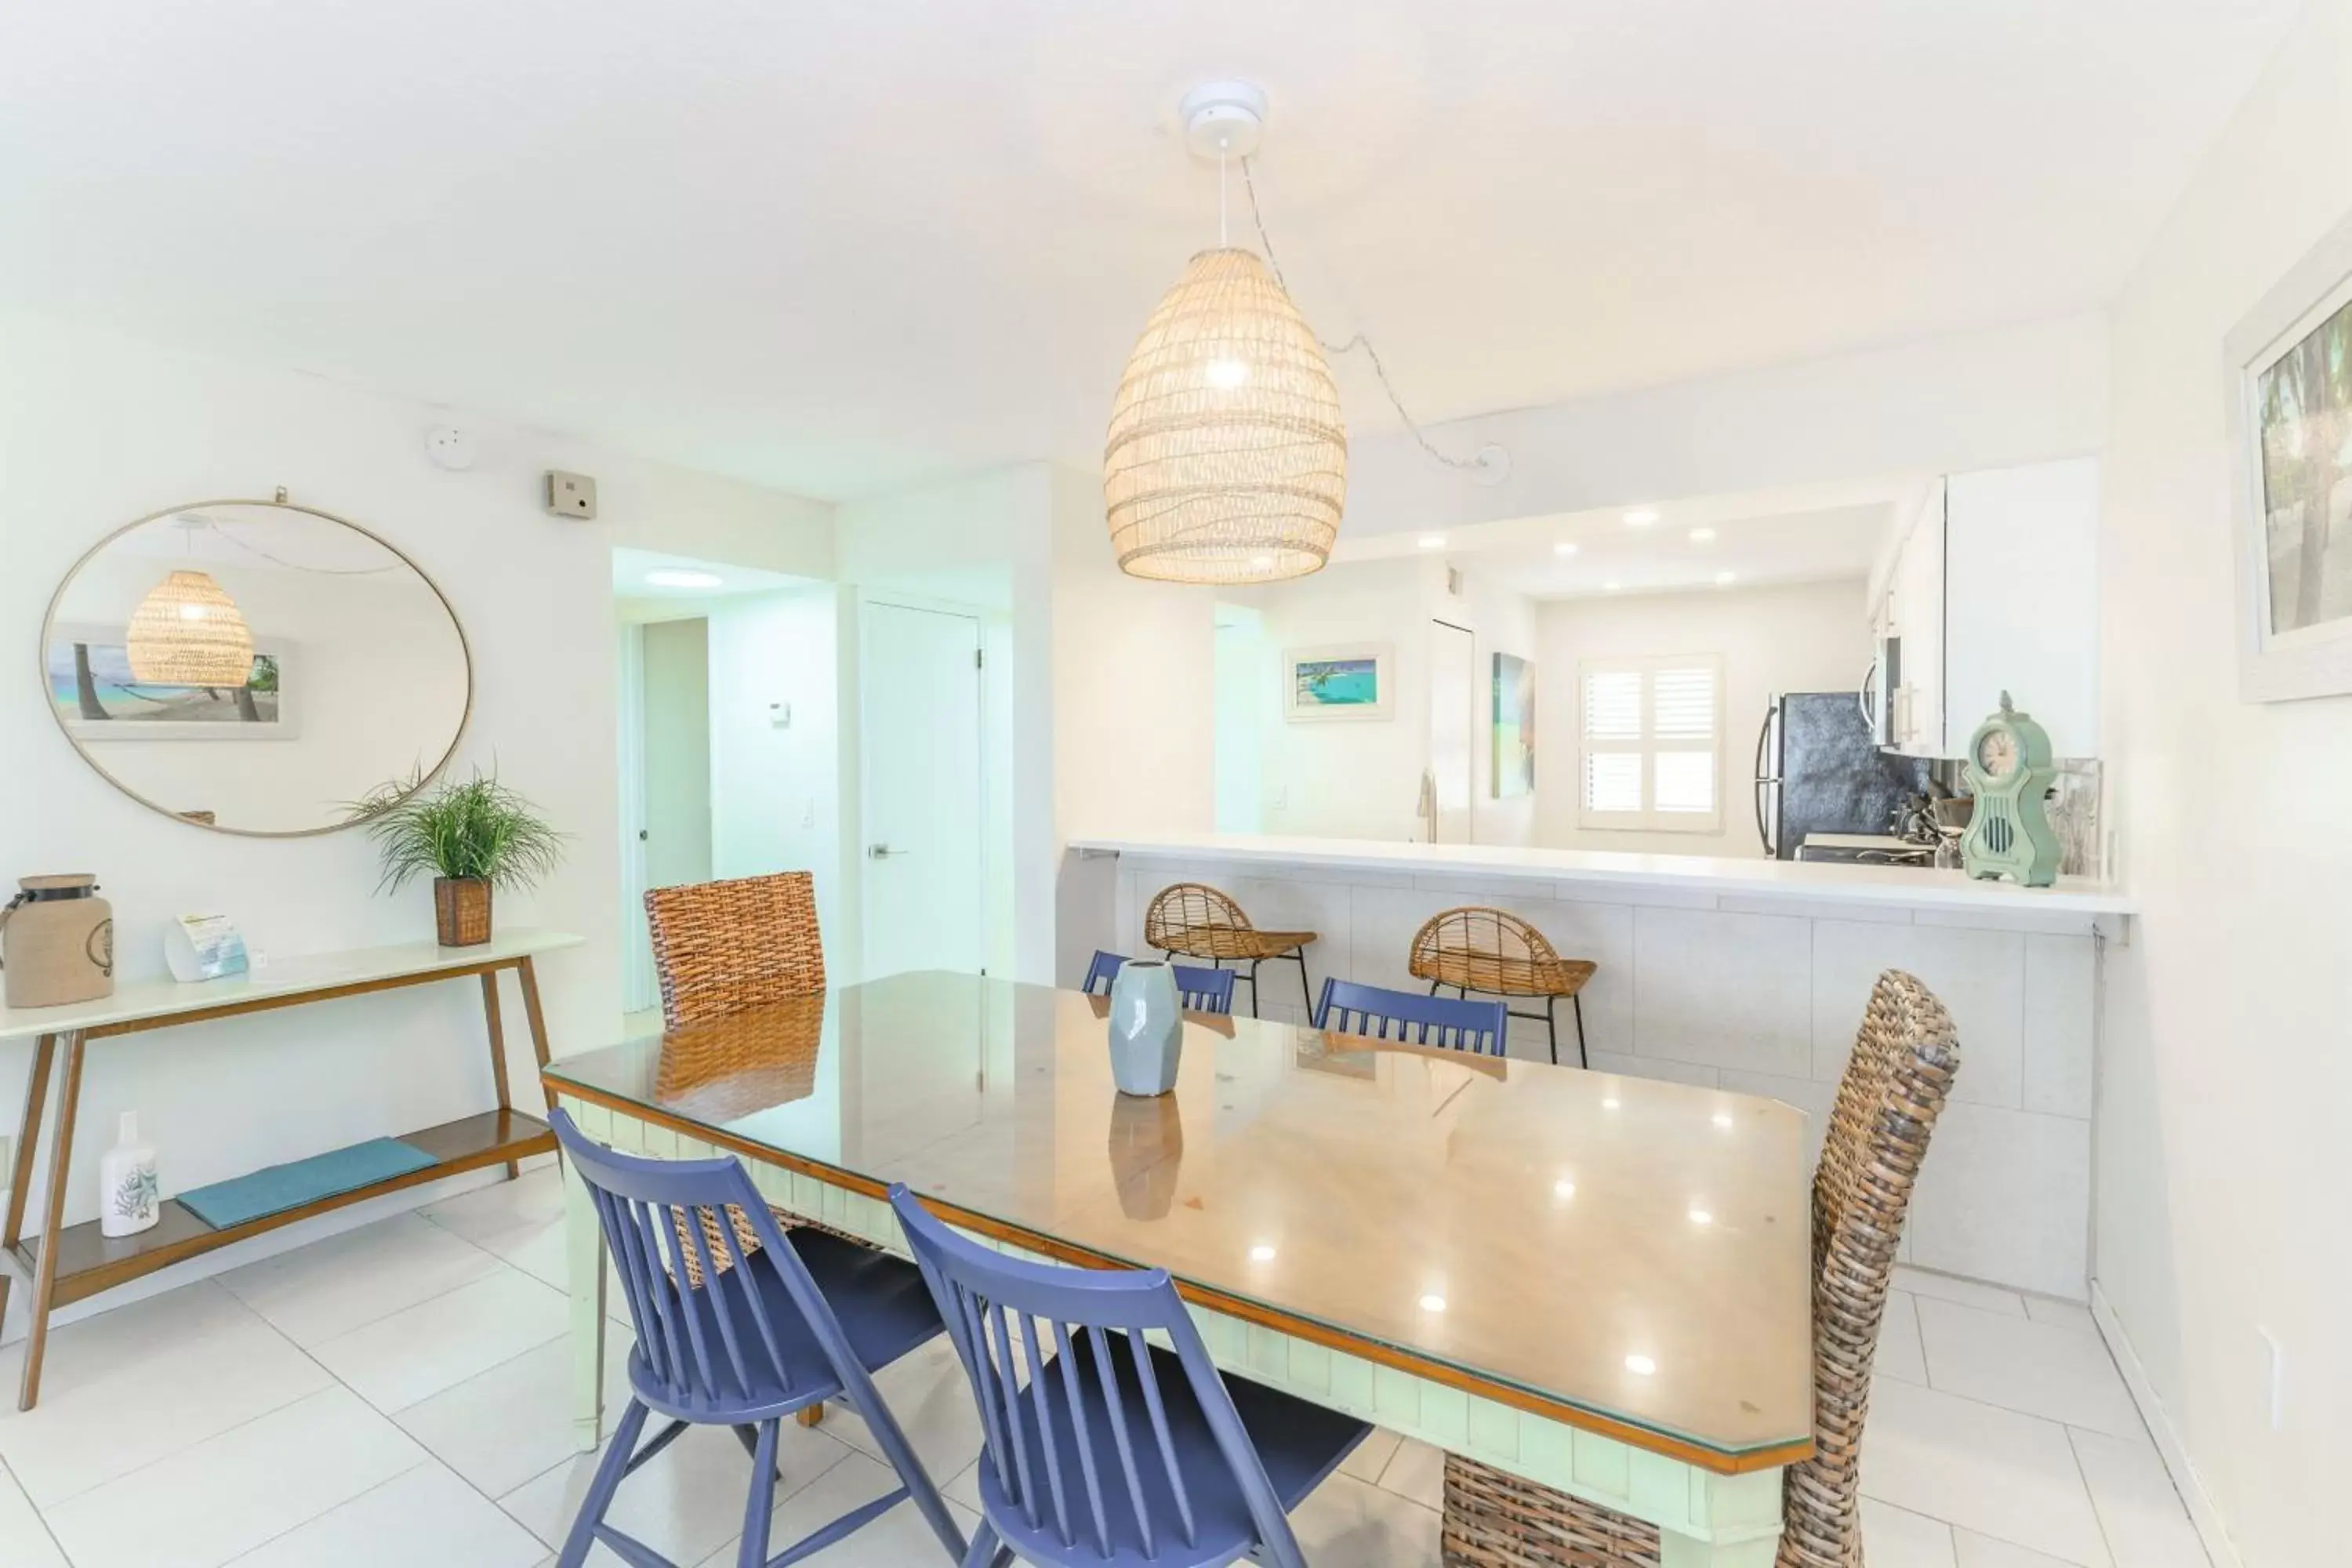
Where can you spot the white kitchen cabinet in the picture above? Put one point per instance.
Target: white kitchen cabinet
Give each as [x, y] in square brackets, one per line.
[1995, 588]
[2021, 601]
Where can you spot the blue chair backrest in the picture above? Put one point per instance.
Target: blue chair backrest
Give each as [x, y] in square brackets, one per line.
[1202, 990]
[1008, 1316]
[713, 1344]
[1375, 1011]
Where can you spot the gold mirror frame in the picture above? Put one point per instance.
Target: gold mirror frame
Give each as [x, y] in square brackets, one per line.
[48, 619]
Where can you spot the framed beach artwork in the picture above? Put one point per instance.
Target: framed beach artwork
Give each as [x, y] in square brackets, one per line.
[1348, 680]
[2289, 366]
[97, 697]
[1514, 727]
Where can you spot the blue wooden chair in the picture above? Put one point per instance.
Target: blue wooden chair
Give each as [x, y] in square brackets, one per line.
[1115, 1452]
[1202, 990]
[730, 1335]
[1374, 1011]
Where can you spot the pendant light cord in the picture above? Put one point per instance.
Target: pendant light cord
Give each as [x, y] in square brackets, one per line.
[1479, 462]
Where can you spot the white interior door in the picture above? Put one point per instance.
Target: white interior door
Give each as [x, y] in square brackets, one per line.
[919, 704]
[673, 821]
[638, 991]
[1452, 728]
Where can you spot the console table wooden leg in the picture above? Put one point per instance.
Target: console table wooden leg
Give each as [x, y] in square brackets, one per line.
[28, 1139]
[45, 1274]
[498, 1049]
[532, 1014]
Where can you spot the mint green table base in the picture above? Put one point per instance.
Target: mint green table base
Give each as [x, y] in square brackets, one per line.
[1704, 1519]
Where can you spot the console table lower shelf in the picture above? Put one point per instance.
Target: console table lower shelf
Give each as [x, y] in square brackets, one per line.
[66, 1263]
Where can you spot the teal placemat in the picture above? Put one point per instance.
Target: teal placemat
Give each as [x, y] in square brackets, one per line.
[289, 1186]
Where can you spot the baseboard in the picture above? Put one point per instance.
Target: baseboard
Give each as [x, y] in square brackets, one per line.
[2185, 1479]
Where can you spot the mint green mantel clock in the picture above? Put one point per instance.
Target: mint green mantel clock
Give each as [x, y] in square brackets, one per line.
[2010, 773]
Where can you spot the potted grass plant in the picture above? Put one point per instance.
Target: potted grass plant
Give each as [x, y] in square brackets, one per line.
[472, 834]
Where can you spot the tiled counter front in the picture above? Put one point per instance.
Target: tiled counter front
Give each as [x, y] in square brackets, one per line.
[1761, 996]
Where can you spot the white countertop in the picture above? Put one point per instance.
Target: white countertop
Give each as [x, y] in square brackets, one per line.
[281, 977]
[1907, 887]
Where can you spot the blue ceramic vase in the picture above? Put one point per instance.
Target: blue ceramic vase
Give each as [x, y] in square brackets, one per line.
[1147, 1029]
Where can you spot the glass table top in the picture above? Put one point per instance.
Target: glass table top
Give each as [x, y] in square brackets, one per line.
[1633, 1248]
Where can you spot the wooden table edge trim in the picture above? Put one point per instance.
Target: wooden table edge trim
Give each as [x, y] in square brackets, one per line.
[1714, 1460]
[270, 1001]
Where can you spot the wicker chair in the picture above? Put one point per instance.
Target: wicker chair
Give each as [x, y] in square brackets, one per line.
[1886, 1107]
[723, 947]
[1198, 921]
[1496, 954]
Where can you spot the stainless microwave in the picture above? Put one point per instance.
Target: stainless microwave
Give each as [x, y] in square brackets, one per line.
[1878, 688]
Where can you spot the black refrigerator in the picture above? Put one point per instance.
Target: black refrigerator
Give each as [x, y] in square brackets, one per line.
[1819, 770]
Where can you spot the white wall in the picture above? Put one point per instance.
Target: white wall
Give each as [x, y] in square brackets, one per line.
[96, 430]
[1983, 400]
[2223, 1182]
[776, 793]
[1811, 636]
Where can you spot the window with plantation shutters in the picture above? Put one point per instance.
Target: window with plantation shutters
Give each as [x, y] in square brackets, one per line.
[1651, 733]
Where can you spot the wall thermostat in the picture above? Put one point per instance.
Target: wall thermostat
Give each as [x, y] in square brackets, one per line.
[570, 495]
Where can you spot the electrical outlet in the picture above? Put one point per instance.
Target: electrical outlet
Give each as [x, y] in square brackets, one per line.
[570, 495]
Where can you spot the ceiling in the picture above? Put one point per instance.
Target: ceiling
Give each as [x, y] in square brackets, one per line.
[649, 585]
[842, 245]
[1805, 534]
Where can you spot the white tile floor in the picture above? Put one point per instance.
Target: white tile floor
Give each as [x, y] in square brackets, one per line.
[399, 1395]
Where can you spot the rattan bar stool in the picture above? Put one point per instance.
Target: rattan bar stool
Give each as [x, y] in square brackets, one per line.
[1195, 921]
[1496, 954]
[1887, 1105]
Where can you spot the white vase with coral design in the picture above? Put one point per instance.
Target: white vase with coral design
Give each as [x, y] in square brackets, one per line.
[129, 1198]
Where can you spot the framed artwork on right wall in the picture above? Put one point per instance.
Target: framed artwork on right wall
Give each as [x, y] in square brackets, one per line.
[2289, 370]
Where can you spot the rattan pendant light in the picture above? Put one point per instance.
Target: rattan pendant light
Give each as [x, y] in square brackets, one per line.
[187, 631]
[1227, 460]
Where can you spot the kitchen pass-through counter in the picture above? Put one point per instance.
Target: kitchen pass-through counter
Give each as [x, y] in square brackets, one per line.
[1744, 974]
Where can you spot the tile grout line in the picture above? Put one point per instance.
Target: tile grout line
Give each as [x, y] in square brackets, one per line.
[38, 1517]
[305, 1524]
[370, 1322]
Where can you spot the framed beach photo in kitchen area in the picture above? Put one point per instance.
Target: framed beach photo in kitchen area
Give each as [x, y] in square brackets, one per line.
[2289, 368]
[1343, 680]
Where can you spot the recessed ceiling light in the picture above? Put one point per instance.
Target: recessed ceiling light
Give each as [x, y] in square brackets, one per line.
[1641, 518]
[1261, 1253]
[1613, 587]
[1725, 579]
[1641, 1365]
[1700, 1216]
[1563, 1189]
[1432, 1302]
[1565, 547]
[1611, 1103]
[1701, 536]
[1723, 1119]
[1432, 541]
[668, 577]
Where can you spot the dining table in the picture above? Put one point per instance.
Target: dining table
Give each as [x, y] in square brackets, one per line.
[1593, 1282]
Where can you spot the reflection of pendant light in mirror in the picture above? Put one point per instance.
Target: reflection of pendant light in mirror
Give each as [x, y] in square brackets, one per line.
[187, 631]
[1228, 462]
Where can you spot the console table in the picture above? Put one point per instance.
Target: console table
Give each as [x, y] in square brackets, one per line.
[68, 1263]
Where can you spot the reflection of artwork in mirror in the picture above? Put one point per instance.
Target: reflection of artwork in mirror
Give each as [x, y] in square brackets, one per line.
[351, 664]
[98, 698]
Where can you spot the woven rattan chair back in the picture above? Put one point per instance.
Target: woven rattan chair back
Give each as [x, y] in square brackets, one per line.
[1484, 948]
[723, 947]
[1197, 921]
[1887, 1104]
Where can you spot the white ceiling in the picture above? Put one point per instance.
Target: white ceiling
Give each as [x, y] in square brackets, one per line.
[1807, 534]
[844, 245]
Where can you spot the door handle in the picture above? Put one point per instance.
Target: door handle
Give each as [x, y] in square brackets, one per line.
[883, 852]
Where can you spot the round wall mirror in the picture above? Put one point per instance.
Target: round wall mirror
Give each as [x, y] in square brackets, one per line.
[254, 667]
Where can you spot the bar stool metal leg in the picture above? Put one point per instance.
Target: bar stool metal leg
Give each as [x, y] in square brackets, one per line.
[1552, 1026]
[1579, 1000]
